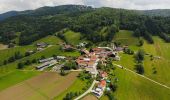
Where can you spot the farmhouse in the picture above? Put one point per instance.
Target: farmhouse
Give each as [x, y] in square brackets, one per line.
[98, 91]
[46, 60]
[42, 45]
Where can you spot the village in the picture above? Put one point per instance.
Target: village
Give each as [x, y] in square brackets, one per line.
[87, 61]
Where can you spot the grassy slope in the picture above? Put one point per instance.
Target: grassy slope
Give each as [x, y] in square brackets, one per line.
[72, 37]
[125, 37]
[14, 78]
[133, 87]
[50, 40]
[5, 54]
[47, 53]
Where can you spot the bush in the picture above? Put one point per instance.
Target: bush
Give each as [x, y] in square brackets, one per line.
[20, 65]
[140, 69]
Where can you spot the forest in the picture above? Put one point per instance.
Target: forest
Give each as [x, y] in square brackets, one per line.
[36, 24]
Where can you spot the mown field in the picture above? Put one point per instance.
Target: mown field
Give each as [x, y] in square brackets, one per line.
[126, 37]
[52, 40]
[15, 77]
[42, 87]
[133, 87]
[5, 54]
[72, 37]
[160, 49]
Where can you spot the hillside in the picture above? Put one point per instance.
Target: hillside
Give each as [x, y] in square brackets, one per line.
[39, 23]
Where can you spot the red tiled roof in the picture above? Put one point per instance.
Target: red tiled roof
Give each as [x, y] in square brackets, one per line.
[102, 83]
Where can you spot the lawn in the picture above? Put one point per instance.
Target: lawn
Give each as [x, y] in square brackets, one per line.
[125, 37]
[133, 87]
[14, 78]
[52, 40]
[45, 86]
[72, 37]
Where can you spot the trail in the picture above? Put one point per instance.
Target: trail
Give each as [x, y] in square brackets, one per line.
[143, 76]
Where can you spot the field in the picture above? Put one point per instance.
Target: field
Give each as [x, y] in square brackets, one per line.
[52, 40]
[14, 78]
[72, 37]
[42, 87]
[160, 65]
[126, 38]
[2, 46]
[5, 54]
[90, 97]
[77, 86]
[133, 87]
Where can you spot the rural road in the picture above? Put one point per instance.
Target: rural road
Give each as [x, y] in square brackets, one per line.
[88, 91]
[142, 76]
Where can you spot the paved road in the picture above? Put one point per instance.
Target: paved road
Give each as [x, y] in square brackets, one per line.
[143, 76]
[88, 91]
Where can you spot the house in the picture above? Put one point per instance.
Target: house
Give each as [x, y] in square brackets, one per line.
[40, 49]
[99, 90]
[42, 45]
[67, 47]
[46, 60]
[119, 49]
[104, 75]
[82, 44]
[60, 57]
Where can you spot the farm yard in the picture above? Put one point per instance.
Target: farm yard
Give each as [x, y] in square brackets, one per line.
[44, 86]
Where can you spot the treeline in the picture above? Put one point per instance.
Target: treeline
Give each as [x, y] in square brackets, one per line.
[86, 20]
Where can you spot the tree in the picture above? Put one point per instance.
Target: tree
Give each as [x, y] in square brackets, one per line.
[140, 55]
[20, 65]
[140, 69]
[5, 62]
[28, 62]
[141, 42]
[34, 61]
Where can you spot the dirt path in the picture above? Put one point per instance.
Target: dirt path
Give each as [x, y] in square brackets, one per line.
[143, 76]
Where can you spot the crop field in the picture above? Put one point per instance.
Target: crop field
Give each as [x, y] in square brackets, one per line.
[15, 77]
[90, 97]
[2, 46]
[42, 87]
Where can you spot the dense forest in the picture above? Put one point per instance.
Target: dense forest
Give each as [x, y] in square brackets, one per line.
[89, 21]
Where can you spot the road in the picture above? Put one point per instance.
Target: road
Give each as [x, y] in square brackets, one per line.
[142, 76]
[88, 91]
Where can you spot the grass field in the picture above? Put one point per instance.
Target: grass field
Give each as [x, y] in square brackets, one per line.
[77, 86]
[5, 54]
[52, 40]
[126, 38]
[72, 37]
[133, 87]
[160, 48]
[42, 87]
[47, 53]
[14, 78]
